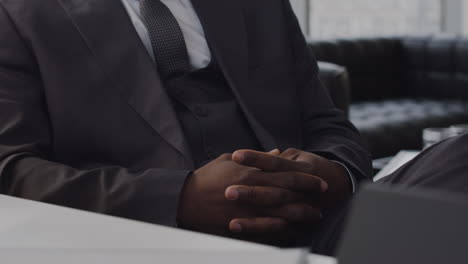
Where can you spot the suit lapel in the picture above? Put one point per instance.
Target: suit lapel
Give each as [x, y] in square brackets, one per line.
[225, 31]
[111, 37]
[224, 27]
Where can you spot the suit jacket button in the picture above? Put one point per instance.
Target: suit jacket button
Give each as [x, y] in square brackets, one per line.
[201, 111]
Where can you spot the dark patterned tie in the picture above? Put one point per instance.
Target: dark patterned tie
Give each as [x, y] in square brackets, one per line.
[169, 47]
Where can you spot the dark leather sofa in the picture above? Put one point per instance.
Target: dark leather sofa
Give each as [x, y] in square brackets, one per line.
[397, 86]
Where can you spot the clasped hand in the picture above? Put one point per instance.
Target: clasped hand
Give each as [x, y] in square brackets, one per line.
[261, 196]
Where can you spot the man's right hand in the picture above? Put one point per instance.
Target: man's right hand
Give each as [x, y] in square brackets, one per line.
[224, 190]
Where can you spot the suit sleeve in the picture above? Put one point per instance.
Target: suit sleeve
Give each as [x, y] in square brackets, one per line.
[27, 171]
[327, 131]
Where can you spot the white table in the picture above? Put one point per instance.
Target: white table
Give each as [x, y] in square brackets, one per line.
[36, 231]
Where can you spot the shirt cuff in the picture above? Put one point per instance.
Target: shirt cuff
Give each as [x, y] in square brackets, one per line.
[350, 175]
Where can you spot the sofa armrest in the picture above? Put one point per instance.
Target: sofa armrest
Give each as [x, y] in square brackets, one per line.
[335, 79]
[375, 65]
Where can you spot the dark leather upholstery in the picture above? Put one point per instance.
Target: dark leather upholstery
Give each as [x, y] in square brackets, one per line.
[336, 79]
[373, 69]
[437, 67]
[400, 86]
[393, 125]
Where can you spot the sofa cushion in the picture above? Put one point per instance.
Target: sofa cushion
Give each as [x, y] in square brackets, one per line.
[437, 66]
[392, 125]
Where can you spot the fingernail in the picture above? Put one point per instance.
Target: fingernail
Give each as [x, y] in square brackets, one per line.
[323, 186]
[239, 156]
[275, 151]
[236, 228]
[232, 194]
[248, 157]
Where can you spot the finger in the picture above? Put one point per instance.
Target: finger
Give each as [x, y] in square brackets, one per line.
[291, 154]
[263, 196]
[293, 181]
[268, 162]
[257, 225]
[297, 213]
[275, 152]
[225, 157]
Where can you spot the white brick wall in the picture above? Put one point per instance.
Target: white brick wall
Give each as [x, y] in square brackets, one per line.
[465, 17]
[360, 18]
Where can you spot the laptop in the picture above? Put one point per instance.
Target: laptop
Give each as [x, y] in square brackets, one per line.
[398, 226]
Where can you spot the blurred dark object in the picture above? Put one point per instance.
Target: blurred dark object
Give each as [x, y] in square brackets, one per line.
[405, 225]
[399, 86]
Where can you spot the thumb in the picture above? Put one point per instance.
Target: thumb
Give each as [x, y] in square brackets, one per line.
[275, 152]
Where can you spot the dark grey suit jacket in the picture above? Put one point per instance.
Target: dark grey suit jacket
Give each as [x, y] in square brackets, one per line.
[85, 121]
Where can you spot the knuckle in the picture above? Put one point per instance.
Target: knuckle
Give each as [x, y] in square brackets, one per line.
[290, 152]
[245, 177]
[226, 156]
[312, 167]
[316, 183]
[260, 224]
[300, 212]
[277, 224]
[282, 225]
[269, 224]
[282, 196]
[268, 195]
[247, 224]
[249, 158]
[285, 197]
[251, 193]
[252, 157]
[276, 164]
[311, 184]
[290, 181]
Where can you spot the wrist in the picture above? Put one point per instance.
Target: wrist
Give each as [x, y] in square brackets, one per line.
[183, 214]
[349, 175]
[340, 184]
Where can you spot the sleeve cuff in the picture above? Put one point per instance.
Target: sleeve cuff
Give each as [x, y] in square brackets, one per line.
[155, 199]
[350, 175]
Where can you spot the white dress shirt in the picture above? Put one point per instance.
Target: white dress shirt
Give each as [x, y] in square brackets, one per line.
[197, 46]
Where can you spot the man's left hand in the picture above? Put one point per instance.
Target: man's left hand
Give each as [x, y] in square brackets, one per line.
[294, 160]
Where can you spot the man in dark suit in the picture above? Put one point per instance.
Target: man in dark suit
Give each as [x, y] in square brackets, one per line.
[127, 108]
